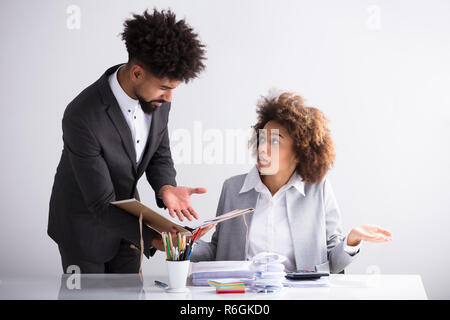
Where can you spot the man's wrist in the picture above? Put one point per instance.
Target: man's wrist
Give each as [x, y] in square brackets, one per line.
[165, 188]
[154, 239]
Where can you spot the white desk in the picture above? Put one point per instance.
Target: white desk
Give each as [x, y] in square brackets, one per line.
[128, 286]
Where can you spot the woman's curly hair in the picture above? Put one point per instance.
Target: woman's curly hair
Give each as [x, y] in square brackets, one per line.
[307, 126]
[166, 47]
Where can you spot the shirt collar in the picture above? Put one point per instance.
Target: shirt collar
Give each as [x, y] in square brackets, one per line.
[123, 99]
[253, 181]
[297, 182]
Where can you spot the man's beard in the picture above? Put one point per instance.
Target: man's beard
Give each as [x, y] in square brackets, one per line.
[148, 107]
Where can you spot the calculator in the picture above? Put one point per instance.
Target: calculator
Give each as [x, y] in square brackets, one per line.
[306, 275]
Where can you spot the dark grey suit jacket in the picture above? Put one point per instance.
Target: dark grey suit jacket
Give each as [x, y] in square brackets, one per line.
[97, 166]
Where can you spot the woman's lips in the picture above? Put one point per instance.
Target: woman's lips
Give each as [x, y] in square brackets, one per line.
[263, 161]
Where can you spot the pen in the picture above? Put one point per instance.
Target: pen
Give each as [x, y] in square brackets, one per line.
[161, 284]
[170, 240]
[196, 234]
[190, 251]
[163, 236]
[185, 254]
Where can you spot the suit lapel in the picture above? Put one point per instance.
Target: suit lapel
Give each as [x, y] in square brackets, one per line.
[121, 125]
[302, 227]
[246, 200]
[116, 115]
[294, 216]
[250, 202]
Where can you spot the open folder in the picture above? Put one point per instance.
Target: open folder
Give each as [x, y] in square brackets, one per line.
[161, 224]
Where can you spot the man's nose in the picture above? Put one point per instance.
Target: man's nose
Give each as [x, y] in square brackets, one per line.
[168, 96]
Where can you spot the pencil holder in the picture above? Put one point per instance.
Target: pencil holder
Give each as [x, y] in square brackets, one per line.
[178, 272]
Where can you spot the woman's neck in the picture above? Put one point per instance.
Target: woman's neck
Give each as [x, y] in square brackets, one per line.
[276, 181]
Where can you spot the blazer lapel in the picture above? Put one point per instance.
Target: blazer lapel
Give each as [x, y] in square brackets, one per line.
[246, 200]
[121, 125]
[116, 115]
[249, 202]
[300, 227]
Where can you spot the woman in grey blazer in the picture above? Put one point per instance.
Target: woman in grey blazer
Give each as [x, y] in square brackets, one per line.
[296, 213]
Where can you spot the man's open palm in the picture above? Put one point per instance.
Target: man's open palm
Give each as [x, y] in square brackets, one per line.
[178, 201]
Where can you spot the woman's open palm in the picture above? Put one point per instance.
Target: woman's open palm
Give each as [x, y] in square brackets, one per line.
[370, 233]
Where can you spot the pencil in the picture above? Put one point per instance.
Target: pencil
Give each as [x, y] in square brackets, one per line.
[168, 248]
[190, 251]
[170, 241]
[196, 234]
[163, 236]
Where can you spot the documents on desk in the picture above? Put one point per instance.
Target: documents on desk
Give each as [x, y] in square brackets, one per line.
[228, 285]
[203, 271]
[320, 282]
[269, 272]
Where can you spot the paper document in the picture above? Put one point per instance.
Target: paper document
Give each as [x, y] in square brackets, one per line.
[161, 224]
[203, 271]
[319, 282]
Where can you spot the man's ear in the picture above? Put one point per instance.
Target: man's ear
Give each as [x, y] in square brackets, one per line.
[137, 72]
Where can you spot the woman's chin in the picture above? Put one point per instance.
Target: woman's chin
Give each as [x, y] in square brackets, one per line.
[266, 169]
[262, 165]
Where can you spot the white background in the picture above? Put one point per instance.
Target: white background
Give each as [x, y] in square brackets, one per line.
[380, 71]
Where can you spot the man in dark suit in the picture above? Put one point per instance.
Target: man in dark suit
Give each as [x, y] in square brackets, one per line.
[113, 132]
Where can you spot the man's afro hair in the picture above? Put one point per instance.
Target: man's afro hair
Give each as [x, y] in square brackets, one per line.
[166, 47]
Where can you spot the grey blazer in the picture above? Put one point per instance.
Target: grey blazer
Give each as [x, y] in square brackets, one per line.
[314, 219]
